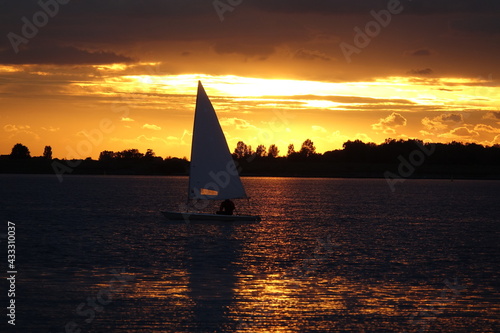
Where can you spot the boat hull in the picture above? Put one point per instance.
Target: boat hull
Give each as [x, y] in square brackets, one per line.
[176, 216]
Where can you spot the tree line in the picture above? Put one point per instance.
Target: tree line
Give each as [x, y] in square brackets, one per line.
[20, 151]
[360, 159]
[387, 152]
[355, 159]
[128, 161]
[243, 151]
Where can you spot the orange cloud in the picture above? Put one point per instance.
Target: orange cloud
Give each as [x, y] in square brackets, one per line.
[486, 128]
[492, 115]
[442, 121]
[240, 124]
[320, 129]
[14, 128]
[51, 129]
[151, 127]
[460, 132]
[386, 125]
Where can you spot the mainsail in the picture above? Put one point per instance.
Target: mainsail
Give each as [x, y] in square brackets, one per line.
[213, 173]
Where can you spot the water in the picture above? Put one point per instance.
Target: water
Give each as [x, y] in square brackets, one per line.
[93, 254]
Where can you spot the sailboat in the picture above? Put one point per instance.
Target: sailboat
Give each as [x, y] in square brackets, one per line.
[213, 174]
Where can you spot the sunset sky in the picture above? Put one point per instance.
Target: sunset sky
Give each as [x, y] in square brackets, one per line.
[87, 76]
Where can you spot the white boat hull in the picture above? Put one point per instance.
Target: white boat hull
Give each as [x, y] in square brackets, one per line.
[176, 216]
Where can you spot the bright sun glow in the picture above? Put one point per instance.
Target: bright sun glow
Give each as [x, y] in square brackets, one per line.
[257, 111]
[454, 92]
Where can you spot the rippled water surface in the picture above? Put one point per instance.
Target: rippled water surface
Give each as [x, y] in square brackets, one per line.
[94, 254]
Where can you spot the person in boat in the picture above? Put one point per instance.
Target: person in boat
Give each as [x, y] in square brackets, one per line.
[226, 207]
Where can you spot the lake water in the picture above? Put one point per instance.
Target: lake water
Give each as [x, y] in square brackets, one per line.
[93, 254]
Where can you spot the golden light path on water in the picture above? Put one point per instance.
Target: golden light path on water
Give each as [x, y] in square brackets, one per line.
[329, 255]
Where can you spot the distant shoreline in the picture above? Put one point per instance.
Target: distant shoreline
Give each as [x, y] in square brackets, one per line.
[393, 160]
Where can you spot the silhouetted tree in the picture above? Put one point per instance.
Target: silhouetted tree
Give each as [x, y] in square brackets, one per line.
[150, 154]
[273, 151]
[355, 151]
[308, 148]
[353, 145]
[47, 152]
[106, 155]
[260, 151]
[388, 141]
[249, 151]
[291, 150]
[129, 154]
[19, 152]
[240, 149]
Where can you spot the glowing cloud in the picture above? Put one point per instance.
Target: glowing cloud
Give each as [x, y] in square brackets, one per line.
[151, 127]
[492, 115]
[20, 131]
[240, 124]
[486, 128]
[441, 122]
[320, 129]
[14, 128]
[460, 132]
[386, 124]
[51, 129]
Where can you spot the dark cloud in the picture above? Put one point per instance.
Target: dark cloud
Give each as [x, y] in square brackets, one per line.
[420, 52]
[420, 72]
[181, 8]
[123, 8]
[318, 6]
[340, 7]
[60, 55]
[125, 22]
[253, 50]
[129, 25]
[452, 7]
[486, 26]
[94, 31]
[305, 54]
[452, 117]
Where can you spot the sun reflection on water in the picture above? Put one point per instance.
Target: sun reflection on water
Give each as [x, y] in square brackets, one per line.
[328, 255]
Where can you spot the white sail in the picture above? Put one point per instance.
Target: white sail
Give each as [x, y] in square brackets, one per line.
[213, 173]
